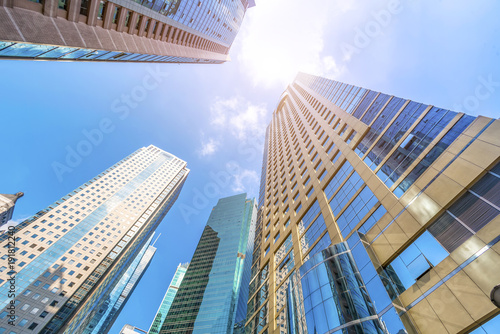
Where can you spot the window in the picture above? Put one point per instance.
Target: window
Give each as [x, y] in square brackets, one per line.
[298, 208]
[100, 14]
[417, 259]
[276, 237]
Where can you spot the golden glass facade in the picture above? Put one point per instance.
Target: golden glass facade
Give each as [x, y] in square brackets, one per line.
[411, 190]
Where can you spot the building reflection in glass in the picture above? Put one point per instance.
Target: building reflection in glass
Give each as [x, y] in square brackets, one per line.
[329, 295]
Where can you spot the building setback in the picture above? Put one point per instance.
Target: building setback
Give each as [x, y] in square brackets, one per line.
[7, 204]
[71, 255]
[207, 299]
[168, 298]
[164, 31]
[376, 215]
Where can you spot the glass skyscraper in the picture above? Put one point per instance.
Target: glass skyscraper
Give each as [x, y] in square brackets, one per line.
[72, 255]
[171, 31]
[207, 299]
[103, 319]
[168, 298]
[377, 214]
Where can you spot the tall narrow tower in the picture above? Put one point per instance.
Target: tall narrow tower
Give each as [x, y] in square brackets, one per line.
[207, 300]
[70, 256]
[377, 214]
[168, 298]
[164, 31]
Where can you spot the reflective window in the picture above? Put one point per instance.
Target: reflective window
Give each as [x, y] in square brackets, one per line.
[77, 54]
[336, 181]
[25, 50]
[312, 234]
[394, 133]
[345, 193]
[308, 217]
[433, 154]
[418, 258]
[367, 100]
[379, 125]
[490, 327]
[419, 138]
[356, 211]
[372, 220]
[375, 108]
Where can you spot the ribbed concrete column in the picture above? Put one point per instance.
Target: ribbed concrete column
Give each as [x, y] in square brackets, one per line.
[150, 28]
[74, 10]
[50, 8]
[164, 32]
[159, 30]
[92, 14]
[122, 16]
[142, 25]
[132, 22]
[108, 15]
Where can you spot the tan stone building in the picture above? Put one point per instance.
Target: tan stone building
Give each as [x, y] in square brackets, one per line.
[376, 215]
[172, 31]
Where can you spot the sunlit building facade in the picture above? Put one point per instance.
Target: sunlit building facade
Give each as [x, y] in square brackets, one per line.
[73, 254]
[207, 299]
[168, 298]
[376, 215]
[163, 31]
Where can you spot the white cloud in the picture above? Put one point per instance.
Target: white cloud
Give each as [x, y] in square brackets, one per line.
[208, 146]
[244, 180]
[239, 117]
[13, 222]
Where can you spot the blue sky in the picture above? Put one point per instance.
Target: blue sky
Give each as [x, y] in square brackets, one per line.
[445, 53]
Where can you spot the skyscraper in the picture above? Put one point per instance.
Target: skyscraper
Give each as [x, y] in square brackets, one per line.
[104, 318]
[7, 204]
[71, 255]
[207, 299]
[168, 298]
[376, 215]
[171, 31]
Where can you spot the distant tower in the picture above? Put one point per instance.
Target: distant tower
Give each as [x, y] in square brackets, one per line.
[7, 204]
[168, 298]
[207, 300]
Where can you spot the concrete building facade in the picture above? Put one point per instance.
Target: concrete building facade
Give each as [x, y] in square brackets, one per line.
[376, 215]
[70, 256]
[171, 31]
